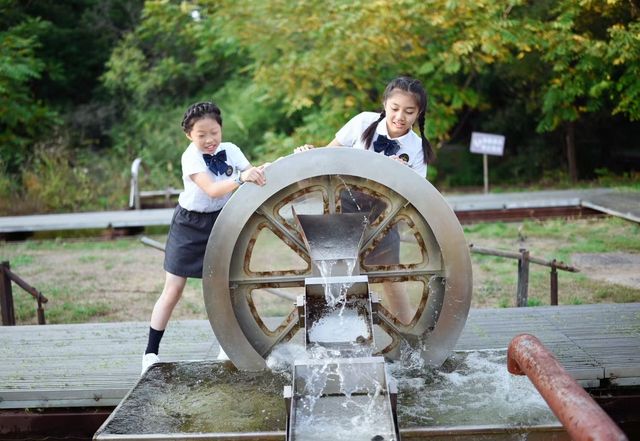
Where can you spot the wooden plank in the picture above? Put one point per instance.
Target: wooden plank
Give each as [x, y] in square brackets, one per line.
[88, 220]
[94, 364]
[624, 204]
[459, 203]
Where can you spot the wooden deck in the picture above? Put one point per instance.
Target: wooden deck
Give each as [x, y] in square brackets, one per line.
[613, 202]
[96, 364]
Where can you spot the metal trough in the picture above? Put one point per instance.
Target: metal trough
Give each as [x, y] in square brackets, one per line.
[342, 398]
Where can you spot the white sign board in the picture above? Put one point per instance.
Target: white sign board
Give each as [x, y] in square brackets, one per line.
[487, 143]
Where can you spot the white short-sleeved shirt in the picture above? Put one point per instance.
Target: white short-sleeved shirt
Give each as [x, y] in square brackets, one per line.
[410, 143]
[193, 198]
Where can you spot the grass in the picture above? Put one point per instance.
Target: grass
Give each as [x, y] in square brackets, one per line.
[64, 306]
[496, 278]
[120, 280]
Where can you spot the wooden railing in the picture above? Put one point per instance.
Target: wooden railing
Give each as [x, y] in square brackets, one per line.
[6, 295]
[524, 258]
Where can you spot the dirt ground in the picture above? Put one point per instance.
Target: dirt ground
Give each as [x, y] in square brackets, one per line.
[619, 268]
[124, 282]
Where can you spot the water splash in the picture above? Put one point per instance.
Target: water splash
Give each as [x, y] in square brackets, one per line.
[344, 326]
[353, 198]
[472, 388]
[342, 401]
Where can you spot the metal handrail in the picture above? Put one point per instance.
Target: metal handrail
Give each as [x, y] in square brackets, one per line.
[524, 258]
[6, 295]
[134, 195]
[578, 412]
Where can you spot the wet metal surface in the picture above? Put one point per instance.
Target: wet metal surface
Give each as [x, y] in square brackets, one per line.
[331, 237]
[472, 397]
[200, 397]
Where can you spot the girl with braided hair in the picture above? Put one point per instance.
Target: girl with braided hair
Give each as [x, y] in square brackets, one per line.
[389, 133]
[211, 171]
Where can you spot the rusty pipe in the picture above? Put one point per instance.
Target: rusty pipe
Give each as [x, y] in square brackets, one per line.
[581, 416]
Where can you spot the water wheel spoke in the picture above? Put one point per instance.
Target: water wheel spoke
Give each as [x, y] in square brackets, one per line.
[285, 332]
[255, 326]
[285, 230]
[394, 326]
[270, 279]
[382, 226]
[399, 272]
[330, 185]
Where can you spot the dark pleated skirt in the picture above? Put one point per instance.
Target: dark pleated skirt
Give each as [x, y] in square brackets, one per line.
[187, 242]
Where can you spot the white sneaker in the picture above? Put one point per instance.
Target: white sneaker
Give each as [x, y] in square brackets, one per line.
[148, 360]
[222, 355]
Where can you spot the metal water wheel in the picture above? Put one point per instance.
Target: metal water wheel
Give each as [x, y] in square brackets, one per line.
[256, 255]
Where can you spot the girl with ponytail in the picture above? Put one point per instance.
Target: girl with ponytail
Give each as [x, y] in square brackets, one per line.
[390, 132]
[404, 103]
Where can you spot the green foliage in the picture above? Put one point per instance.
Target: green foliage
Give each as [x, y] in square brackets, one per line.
[22, 117]
[534, 302]
[250, 118]
[589, 70]
[155, 136]
[575, 300]
[58, 179]
[441, 42]
[170, 55]
[117, 75]
[606, 178]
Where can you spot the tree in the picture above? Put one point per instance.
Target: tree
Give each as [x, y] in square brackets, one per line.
[23, 117]
[336, 56]
[592, 53]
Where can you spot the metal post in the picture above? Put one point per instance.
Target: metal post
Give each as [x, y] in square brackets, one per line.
[134, 195]
[523, 278]
[485, 168]
[554, 285]
[578, 412]
[41, 319]
[6, 296]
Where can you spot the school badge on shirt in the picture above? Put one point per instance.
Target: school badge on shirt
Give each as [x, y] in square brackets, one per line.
[404, 157]
[229, 171]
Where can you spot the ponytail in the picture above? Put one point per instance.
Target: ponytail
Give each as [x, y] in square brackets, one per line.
[367, 135]
[427, 150]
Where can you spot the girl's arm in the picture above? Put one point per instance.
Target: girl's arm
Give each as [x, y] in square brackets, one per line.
[216, 189]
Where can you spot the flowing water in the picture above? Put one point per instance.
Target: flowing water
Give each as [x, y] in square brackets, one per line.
[340, 325]
[472, 388]
[333, 397]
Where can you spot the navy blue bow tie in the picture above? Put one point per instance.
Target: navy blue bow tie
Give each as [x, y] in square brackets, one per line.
[217, 163]
[390, 147]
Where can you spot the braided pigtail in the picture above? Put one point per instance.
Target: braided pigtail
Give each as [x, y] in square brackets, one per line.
[198, 111]
[414, 87]
[427, 150]
[367, 135]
